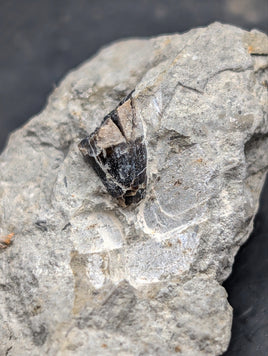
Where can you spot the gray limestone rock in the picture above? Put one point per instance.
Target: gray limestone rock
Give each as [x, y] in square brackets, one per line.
[86, 276]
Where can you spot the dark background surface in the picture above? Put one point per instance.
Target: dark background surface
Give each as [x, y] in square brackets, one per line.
[40, 40]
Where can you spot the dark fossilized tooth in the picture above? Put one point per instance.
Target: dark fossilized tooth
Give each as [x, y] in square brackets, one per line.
[117, 152]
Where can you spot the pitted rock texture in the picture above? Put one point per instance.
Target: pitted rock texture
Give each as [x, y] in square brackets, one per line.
[85, 276]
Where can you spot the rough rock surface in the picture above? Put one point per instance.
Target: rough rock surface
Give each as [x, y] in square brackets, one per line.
[84, 276]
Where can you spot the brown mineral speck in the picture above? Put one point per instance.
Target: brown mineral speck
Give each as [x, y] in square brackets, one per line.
[177, 349]
[92, 226]
[5, 241]
[178, 182]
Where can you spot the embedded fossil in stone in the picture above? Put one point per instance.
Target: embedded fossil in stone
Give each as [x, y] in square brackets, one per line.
[117, 152]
